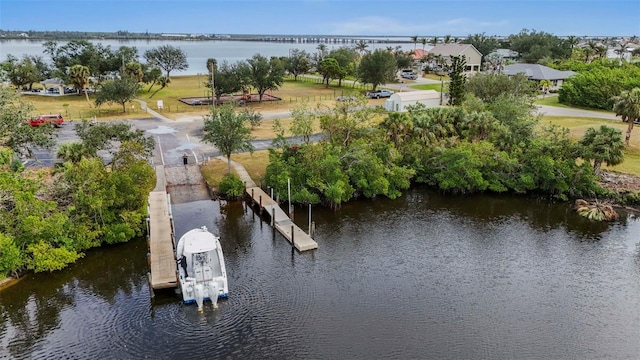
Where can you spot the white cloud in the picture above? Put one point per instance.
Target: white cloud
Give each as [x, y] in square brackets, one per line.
[378, 25]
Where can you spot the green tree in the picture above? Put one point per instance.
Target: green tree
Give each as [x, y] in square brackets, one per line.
[79, 75]
[595, 83]
[20, 73]
[361, 47]
[98, 58]
[72, 151]
[346, 121]
[329, 69]
[226, 130]
[164, 82]
[16, 134]
[423, 41]
[397, 127]
[303, 120]
[298, 63]
[167, 57]
[603, 145]
[458, 80]
[105, 136]
[488, 87]
[483, 43]
[151, 76]
[545, 85]
[10, 256]
[133, 69]
[119, 91]
[265, 74]
[627, 106]
[346, 59]
[534, 46]
[378, 67]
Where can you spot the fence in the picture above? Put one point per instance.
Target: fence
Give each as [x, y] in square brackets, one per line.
[347, 83]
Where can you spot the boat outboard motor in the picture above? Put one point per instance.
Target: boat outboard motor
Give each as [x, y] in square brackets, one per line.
[199, 296]
[212, 288]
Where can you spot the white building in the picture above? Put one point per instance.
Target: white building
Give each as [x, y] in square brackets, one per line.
[400, 100]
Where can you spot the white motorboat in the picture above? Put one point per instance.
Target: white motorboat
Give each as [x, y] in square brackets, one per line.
[201, 271]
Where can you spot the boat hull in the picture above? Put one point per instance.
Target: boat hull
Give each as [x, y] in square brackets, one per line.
[201, 268]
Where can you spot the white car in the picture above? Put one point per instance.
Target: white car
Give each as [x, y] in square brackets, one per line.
[409, 75]
[379, 94]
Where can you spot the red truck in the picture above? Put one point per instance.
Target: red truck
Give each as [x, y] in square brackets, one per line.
[52, 119]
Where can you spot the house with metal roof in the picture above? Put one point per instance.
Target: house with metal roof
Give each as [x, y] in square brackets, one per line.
[472, 55]
[539, 72]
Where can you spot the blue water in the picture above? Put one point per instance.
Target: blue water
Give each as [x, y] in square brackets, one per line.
[197, 51]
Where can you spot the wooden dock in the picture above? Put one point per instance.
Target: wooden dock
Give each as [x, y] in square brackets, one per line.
[279, 219]
[162, 259]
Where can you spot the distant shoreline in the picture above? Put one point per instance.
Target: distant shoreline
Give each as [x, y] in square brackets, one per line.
[74, 35]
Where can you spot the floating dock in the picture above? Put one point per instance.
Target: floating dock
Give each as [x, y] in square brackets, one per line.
[279, 219]
[162, 259]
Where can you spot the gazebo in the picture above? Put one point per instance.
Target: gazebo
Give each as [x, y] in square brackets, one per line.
[55, 83]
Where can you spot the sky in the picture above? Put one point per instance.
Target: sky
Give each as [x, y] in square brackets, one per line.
[327, 17]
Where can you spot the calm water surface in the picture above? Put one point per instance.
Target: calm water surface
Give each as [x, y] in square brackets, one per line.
[197, 51]
[421, 277]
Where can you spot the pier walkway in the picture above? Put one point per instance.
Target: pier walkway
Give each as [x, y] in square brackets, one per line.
[279, 219]
[162, 260]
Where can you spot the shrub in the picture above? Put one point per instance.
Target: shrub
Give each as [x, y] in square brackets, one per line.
[231, 186]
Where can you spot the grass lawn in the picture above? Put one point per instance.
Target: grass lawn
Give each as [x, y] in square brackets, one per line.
[552, 100]
[578, 126]
[291, 92]
[435, 87]
[255, 164]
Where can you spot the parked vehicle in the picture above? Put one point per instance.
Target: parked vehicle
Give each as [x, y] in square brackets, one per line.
[409, 75]
[52, 119]
[382, 93]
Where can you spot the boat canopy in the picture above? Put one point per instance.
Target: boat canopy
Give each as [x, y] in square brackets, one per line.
[197, 241]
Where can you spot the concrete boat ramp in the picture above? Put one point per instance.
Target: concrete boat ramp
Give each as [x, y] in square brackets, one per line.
[184, 184]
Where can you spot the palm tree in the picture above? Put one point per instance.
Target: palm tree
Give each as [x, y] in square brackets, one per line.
[447, 39]
[587, 54]
[163, 81]
[415, 41]
[627, 106]
[572, 41]
[434, 41]
[322, 49]
[361, 47]
[79, 75]
[398, 126]
[601, 51]
[73, 152]
[603, 146]
[133, 69]
[424, 42]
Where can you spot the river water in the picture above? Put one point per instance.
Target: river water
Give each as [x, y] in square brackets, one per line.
[423, 276]
[197, 52]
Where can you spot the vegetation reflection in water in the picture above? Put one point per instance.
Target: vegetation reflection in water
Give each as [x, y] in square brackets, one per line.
[474, 276]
